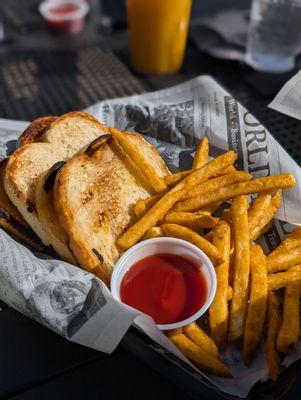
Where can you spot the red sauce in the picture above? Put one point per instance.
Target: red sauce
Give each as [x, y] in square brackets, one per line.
[167, 287]
[63, 9]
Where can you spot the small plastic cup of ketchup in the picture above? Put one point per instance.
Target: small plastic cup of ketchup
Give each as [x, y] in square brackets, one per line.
[169, 279]
[65, 17]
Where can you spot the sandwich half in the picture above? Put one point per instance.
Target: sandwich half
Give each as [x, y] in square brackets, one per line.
[94, 194]
[47, 141]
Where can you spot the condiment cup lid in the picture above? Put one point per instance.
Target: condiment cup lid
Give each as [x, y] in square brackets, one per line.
[167, 245]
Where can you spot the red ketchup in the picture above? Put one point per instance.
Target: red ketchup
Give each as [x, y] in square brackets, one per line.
[65, 17]
[167, 287]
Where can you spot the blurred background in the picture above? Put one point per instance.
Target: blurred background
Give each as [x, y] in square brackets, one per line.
[51, 68]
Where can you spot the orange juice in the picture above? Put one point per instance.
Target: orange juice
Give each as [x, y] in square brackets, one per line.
[158, 33]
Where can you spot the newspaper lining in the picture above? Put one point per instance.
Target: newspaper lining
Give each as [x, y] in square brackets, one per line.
[76, 304]
[288, 100]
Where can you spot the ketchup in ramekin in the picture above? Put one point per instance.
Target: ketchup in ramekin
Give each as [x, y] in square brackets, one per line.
[168, 287]
[169, 279]
[65, 17]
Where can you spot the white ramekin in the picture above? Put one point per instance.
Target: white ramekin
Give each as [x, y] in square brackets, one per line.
[80, 12]
[167, 245]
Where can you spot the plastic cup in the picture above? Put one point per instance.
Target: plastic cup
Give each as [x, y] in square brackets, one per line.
[158, 34]
[167, 245]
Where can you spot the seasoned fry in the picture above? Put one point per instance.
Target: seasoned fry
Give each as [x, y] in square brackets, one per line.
[181, 232]
[241, 265]
[257, 304]
[261, 216]
[259, 207]
[159, 210]
[173, 332]
[211, 208]
[174, 179]
[284, 260]
[153, 232]
[218, 311]
[257, 185]
[199, 337]
[289, 332]
[217, 183]
[291, 241]
[282, 279]
[143, 205]
[201, 154]
[229, 293]
[265, 229]
[197, 220]
[156, 181]
[201, 358]
[177, 177]
[274, 323]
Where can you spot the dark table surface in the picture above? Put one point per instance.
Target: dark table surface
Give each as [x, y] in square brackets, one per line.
[72, 74]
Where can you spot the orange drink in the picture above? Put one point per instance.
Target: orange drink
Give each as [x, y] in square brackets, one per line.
[158, 33]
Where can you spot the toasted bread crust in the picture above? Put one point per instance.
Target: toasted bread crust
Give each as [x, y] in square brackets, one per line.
[35, 130]
[80, 114]
[50, 223]
[93, 199]
[26, 235]
[5, 202]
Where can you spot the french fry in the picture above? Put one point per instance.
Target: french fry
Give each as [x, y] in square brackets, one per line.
[259, 207]
[199, 337]
[282, 181]
[274, 323]
[209, 235]
[156, 181]
[173, 332]
[229, 293]
[284, 260]
[291, 241]
[143, 205]
[217, 183]
[261, 216]
[218, 310]
[211, 208]
[282, 279]
[159, 210]
[241, 264]
[195, 221]
[289, 332]
[201, 154]
[201, 358]
[153, 232]
[173, 179]
[264, 229]
[181, 232]
[257, 304]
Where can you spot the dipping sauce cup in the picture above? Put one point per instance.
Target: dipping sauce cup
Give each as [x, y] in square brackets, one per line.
[65, 17]
[169, 279]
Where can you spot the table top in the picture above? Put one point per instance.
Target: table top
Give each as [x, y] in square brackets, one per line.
[39, 74]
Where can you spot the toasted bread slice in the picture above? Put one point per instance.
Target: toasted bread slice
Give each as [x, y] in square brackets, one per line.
[5, 203]
[35, 131]
[61, 140]
[47, 215]
[94, 194]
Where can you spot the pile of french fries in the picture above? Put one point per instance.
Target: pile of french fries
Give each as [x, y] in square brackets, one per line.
[257, 295]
